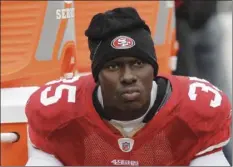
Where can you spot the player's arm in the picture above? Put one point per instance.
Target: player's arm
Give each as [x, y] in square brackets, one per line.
[38, 157]
[45, 113]
[41, 158]
[38, 137]
[214, 159]
[210, 121]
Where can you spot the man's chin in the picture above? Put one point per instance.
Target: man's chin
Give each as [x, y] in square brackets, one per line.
[132, 105]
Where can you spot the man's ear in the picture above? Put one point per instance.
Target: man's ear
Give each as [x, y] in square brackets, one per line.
[98, 81]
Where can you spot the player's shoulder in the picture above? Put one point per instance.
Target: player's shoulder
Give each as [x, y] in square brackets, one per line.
[56, 102]
[202, 105]
[195, 91]
[202, 94]
[58, 91]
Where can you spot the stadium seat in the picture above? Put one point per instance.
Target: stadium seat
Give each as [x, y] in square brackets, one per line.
[36, 46]
[34, 43]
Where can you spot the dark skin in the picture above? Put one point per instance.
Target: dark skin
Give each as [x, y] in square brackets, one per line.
[126, 84]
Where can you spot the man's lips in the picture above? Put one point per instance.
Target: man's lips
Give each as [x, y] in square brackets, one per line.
[130, 94]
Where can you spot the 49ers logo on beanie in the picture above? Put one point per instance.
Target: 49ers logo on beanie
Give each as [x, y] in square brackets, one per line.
[122, 42]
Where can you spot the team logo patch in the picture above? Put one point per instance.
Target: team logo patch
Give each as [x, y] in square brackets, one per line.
[122, 42]
[126, 144]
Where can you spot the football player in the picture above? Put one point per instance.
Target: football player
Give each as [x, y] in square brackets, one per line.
[124, 113]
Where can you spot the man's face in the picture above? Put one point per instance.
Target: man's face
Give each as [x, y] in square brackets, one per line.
[126, 84]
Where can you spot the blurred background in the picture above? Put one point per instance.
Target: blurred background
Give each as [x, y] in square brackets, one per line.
[44, 40]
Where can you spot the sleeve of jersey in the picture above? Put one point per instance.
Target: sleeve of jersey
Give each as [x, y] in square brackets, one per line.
[43, 120]
[38, 128]
[51, 108]
[212, 125]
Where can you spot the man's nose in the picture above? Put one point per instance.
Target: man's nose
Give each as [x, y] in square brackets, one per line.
[128, 76]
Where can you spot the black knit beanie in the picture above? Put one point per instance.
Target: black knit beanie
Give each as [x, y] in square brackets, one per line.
[119, 32]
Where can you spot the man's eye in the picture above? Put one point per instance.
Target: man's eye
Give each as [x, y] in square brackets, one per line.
[113, 67]
[138, 63]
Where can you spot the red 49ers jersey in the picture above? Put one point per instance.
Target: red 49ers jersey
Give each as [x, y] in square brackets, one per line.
[193, 122]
